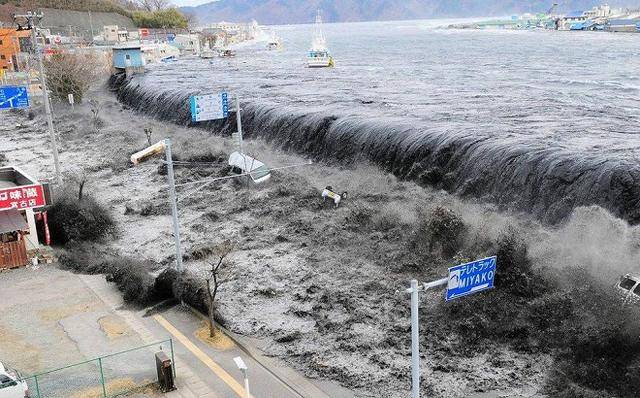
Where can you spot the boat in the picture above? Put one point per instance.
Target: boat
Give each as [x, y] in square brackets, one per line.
[319, 56]
[222, 48]
[274, 42]
[207, 52]
[226, 53]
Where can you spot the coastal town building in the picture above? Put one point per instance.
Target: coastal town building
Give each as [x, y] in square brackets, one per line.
[128, 59]
[12, 44]
[21, 198]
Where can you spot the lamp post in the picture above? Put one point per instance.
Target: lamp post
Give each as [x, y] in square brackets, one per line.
[141, 156]
[243, 367]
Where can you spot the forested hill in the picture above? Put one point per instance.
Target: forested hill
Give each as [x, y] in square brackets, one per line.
[118, 6]
[303, 11]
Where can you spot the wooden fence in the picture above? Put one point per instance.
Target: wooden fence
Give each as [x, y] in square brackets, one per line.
[13, 254]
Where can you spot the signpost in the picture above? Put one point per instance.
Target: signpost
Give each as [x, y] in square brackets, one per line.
[209, 107]
[469, 278]
[463, 280]
[22, 197]
[13, 97]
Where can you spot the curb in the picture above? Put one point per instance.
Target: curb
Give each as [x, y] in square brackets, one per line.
[266, 363]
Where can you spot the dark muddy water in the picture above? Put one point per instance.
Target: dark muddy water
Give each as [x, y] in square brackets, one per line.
[533, 120]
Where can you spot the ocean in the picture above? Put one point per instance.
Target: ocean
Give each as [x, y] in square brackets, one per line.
[537, 121]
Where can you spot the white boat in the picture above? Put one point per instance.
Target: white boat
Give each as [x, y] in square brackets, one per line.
[222, 48]
[207, 53]
[319, 56]
[274, 42]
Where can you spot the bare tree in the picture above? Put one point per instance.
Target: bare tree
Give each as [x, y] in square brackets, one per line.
[95, 107]
[148, 132]
[218, 275]
[154, 5]
[79, 177]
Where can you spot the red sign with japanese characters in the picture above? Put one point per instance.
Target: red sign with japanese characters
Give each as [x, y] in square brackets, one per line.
[24, 197]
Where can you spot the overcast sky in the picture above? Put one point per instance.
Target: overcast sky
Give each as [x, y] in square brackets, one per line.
[181, 3]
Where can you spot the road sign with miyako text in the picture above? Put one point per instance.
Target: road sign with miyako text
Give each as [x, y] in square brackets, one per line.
[469, 278]
[22, 197]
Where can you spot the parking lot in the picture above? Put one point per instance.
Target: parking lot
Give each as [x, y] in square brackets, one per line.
[52, 319]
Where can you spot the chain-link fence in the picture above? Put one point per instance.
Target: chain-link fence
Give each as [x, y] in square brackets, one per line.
[108, 376]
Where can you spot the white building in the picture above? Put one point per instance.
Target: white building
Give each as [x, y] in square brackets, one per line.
[155, 52]
[603, 11]
[188, 44]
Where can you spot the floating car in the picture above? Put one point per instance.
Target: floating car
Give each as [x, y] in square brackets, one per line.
[11, 383]
[245, 164]
[629, 288]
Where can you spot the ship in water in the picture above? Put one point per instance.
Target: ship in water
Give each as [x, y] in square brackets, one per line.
[274, 43]
[319, 56]
[222, 47]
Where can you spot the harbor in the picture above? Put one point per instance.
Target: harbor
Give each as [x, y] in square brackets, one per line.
[602, 18]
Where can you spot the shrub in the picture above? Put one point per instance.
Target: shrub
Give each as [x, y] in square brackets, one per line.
[442, 230]
[133, 280]
[71, 219]
[73, 73]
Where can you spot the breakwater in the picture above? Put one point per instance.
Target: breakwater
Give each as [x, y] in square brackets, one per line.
[546, 181]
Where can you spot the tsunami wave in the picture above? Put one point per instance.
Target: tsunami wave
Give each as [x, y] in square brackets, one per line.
[543, 180]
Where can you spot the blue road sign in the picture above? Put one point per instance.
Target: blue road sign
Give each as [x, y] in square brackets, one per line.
[13, 97]
[469, 278]
[209, 107]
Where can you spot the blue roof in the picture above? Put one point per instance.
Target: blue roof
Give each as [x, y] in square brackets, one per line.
[575, 14]
[577, 26]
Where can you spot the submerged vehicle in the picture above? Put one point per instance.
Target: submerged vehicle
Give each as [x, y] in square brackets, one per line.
[11, 383]
[319, 56]
[629, 288]
[245, 164]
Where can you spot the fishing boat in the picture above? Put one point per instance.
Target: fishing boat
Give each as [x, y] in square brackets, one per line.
[319, 56]
[223, 49]
[274, 42]
[207, 52]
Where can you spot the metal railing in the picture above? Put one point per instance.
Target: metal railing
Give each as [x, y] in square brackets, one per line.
[107, 376]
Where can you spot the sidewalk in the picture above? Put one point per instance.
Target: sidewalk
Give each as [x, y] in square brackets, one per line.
[206, 371]
[188, 384]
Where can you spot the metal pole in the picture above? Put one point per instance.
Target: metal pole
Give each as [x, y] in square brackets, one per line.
[415, 349]
[37, 386]
[45, 98]
[104, 388]
[246, 384]
[174, 204]
[173, 358]
[239, 119]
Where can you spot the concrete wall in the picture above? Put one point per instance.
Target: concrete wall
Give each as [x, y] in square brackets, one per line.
[80, 23]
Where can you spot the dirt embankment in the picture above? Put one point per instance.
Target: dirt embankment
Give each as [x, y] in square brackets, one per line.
[319, 285]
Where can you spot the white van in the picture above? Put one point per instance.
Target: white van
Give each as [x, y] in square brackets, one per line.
[246, 164]
[11, 384]
[629, 287]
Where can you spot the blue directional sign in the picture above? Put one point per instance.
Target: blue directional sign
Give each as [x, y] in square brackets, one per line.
[209, 107]
[13, 97]
[469, 278]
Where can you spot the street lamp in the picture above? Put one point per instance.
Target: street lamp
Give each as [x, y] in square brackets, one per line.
[243, 367]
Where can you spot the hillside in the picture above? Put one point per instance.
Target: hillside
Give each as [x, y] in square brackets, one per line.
[295, 11]
[117, 6]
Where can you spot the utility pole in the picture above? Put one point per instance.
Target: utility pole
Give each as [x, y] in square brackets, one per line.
[174, 204]
[32, 19]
